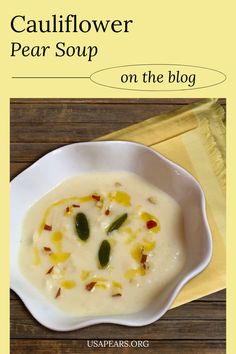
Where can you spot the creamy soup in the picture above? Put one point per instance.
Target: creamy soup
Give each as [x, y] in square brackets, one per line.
[102, 243]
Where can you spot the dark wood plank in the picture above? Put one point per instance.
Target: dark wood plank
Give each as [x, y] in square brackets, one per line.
[61, 132]
[79, 113]
[195, 310]
[17, 167]
[197, 320]
[39, 124]
[82, 346]
[62, 100]
[217, 296]
[162, 329]
[25, 152]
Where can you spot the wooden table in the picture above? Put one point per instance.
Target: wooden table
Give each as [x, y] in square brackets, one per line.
[40, 125]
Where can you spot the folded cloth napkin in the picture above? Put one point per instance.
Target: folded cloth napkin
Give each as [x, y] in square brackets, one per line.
[193, 137]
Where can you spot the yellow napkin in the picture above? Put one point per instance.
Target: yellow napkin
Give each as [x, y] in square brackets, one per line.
[193, 137]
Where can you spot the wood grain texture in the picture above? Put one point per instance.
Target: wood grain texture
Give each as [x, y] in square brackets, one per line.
[82, 347]
[41, 125]
[212, 311]
[158, 101]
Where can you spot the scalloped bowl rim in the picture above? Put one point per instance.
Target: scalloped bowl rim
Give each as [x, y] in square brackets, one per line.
[129, 319]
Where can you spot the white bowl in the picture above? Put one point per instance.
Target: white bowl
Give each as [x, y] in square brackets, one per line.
[74, 159]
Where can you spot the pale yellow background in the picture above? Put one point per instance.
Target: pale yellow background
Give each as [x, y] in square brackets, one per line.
[184, 32]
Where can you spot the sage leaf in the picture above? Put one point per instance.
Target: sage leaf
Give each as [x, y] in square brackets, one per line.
[104, 253]
[117, 223]
[82, 226]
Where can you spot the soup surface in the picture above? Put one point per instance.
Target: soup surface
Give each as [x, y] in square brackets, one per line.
[102, 243]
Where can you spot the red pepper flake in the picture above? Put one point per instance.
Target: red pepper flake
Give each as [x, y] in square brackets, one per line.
[96, 197]
[76, 205]
[50, 270]
[58, 293]
[90, 286]
[48, 227]
[47, 249]
[67, 209]
[107, 212]
[143, 260]
[151, 223]
[116, 295]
